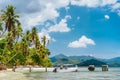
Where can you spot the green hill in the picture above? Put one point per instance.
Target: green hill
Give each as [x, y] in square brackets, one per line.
[84, 60]
[92, 62]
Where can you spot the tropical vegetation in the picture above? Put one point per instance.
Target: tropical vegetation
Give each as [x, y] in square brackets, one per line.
[18, 47]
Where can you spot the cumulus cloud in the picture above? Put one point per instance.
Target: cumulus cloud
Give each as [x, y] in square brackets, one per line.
[61, 26]
[83, 42]
[93, 3]
[44, 32]
[107, 16]
[49, 13]
[87, 3]
[118, 12]
[36, 12]
[107, 2]
[116, 6]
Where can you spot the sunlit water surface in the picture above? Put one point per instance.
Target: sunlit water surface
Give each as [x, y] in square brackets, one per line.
[82, 74]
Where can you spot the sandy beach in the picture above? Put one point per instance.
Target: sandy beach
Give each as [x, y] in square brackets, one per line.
[19, 73]
[10, 75]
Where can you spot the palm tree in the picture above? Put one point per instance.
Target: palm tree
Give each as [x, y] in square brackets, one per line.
[35, 38]
[34, 33]
[1, 28]
[10, 17]
[45, 41]
[18, 33]
[45, 53]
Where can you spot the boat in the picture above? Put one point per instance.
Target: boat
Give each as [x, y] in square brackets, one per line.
[66, 68]
[91, 68]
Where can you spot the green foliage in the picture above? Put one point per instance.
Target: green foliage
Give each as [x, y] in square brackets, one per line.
[18, 48]
[36, 59]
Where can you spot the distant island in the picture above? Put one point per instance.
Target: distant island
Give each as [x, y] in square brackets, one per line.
[85, 60]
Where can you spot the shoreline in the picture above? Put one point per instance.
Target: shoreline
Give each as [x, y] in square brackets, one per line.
[27, 69]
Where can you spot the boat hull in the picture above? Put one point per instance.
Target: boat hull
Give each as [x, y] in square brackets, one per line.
[66, 70]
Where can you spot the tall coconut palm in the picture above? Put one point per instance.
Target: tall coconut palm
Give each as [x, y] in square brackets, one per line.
[18, 32]
[45, 41]
[24, 47]
[34, 33]
[10, 17]
[45, 54]
[35, 37]
[1, 27]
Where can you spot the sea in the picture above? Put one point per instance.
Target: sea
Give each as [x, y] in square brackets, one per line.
[82, 74]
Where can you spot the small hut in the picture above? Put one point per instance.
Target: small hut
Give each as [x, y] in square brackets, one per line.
[104, 67]
[91, 68]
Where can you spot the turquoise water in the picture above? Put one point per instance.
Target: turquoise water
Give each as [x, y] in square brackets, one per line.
[82, 74]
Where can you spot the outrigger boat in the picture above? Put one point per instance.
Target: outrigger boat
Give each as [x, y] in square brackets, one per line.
[66, 68]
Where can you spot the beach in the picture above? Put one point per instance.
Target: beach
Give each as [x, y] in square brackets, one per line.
[10, 75]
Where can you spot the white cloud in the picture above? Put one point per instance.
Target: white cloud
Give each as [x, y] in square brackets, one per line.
[118, 12]
[49, 13]
[39, 11]
[107, 16]
[87, 3]
[93, 3]
[78, 18]
[61, 26]
[113, 5]
[116, 6]
[53, 39]
[83, 42]
[107, 2]
[36, 12]
[44, 33]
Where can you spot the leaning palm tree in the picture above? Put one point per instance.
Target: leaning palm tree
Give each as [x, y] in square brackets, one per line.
[11, 26]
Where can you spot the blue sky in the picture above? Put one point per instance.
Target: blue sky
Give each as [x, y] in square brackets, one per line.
[74, 27]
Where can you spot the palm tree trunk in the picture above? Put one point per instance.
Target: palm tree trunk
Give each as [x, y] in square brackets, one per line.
[11, 58]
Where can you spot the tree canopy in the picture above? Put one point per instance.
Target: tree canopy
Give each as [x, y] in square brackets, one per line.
[18, 48]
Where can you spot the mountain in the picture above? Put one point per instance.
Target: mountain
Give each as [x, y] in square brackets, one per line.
[84, 60]
[58, 57]
[62, 59]
[114, 62]
[81, 58]
[92, 62]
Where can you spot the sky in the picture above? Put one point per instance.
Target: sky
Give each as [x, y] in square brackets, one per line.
[74, 27]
